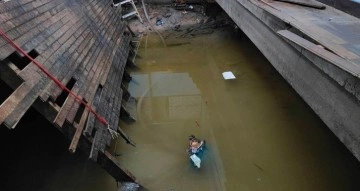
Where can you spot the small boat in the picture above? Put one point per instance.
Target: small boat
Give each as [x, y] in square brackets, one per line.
[196, 150]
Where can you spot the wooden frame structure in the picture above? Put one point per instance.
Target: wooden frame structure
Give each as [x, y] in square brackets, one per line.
[83, 44]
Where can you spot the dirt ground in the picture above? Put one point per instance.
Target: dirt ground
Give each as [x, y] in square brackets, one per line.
[178, 21]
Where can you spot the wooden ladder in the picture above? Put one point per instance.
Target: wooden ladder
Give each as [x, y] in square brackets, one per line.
[134, 12]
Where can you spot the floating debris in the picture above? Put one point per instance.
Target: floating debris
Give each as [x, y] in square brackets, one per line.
[159, 22]
[228, 75]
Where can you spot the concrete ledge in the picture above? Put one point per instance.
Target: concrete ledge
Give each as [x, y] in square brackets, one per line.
[330, 91]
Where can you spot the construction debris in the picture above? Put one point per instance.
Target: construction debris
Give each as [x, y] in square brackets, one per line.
[228, 75]
[180, 20]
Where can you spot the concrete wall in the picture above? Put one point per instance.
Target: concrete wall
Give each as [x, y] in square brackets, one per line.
[318, 82]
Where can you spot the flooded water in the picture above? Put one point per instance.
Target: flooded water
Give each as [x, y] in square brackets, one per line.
[260, 134]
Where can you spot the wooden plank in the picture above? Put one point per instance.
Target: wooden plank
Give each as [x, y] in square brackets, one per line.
[107, 161]
[53, 57]
[96, 144]
[107, 102]
[104, 73]
[101, 134]
[88, 83]
[81, 60]
[43, 34]
[116, 94]
[312, 23]
[66, 65]
[89, 96]
[65, 74]
[54, 91]
[110, 18]
[30, 94]
[51, 86]
[83, 120]
[9, 109]
[90, 124]
[114, 115]
[122, 133]
[96, 16]
[12, 101]
[71, 105]
[60, 118]
[56, 57]
[52, 47]
[79, 129]
[321, 52]
[91, 120]
[98, 69]
[117, 44]
[54, 70]
[8, 75]
[305, 4]
[13, 8]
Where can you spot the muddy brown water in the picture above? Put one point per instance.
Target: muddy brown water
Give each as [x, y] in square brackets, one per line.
[260, 134]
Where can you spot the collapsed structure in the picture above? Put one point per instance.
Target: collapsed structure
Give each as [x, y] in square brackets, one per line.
[67, 60]
[79, 50]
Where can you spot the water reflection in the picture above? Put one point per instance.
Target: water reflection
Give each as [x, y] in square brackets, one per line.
[260, 134]
[182, 97]
[162, 84]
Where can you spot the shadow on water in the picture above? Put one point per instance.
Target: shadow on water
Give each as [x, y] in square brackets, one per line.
[35, 156]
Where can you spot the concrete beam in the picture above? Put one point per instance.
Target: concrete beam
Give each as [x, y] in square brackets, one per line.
[329, 90]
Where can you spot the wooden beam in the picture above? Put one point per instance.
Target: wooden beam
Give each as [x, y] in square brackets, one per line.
[107, 161]
[60, 118]
[79, 129]
[8, 75]
[305, 4]
[21, 99]
[113, 166]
